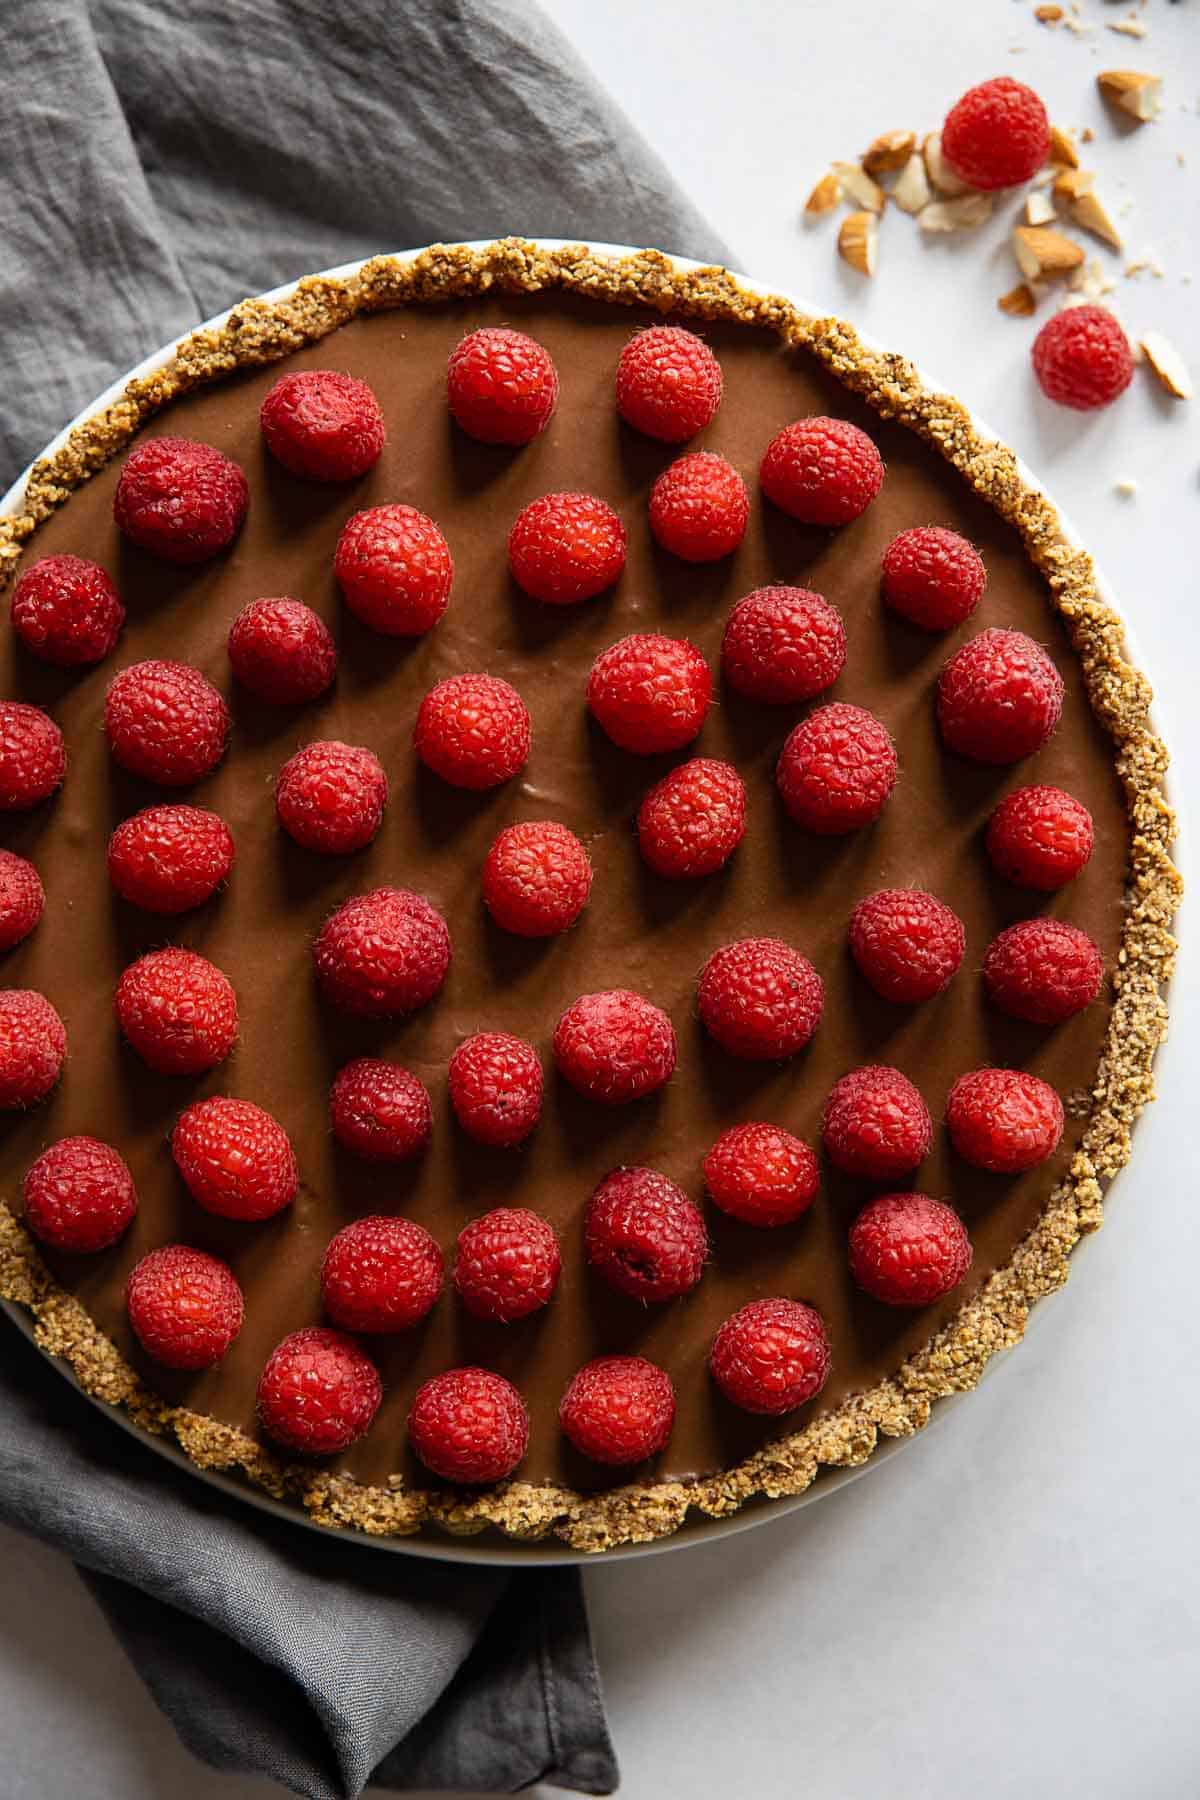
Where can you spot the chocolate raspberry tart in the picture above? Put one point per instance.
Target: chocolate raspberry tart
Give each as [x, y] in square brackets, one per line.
[858, 1295]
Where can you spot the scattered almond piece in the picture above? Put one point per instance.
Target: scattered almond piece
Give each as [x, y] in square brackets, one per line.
[1076, 24]
[1087, 135]
[890, 151]
[1167, 364]
[1062, 148]
[1075, 188]
[1019, 302]
[858, 186]
[825, 195]
[1129, 27]
[1127, 488]
[1091, 282]
[910, 190]
[957, 214]
[1044, 254]
[857, 239]
[1046, 175]
[1048, 15]
[1138, 95]
[1039, 209]
[940, 173]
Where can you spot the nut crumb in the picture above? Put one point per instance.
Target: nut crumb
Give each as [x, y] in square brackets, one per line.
[1019, 302]
[1126, 488]
[1048, 15]
[1134, 28]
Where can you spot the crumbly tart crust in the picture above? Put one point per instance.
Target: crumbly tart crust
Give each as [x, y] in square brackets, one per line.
[259, 332]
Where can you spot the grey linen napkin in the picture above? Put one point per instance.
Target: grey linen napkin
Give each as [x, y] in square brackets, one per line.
[161, 159]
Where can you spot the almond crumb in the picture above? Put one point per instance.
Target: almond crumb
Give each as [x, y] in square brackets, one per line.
[1019, 302]
[1087, 135]
[1126, 488]
[1167, 364]
[824, 196]
[857, 238]
[1135, 28]
[1048, 15]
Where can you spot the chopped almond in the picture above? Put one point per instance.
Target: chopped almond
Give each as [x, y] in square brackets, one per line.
[825, 195]
[1075, 188]
[1039, 209]
[1062, 148]
[1048, 15]
[956, 214]
[911, 189]
[940, 173]
[859, 187]
[1045, 255]
[1129, 27]
[1138, 95]
[1167, 364]
[890, 151]
[857, 240]
[1019, 302]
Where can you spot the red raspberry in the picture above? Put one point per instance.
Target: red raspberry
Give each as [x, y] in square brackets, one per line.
[318, 1392]
[837, 770]
[618, 1409]
[760, 999]
[1082, 358]
[933, 577]
[699, 507]
[907, 944]
[644, 1236]
[1004, 1120]
[999, 698]
[1039, 837]
[536, 879]
[235, 1158]
[33, 1043]
[22, 898]
[323, 425]
[508, 1264]
[79, 1195]
[178, 1011]
[167, 859]
[380, 1111]
[382, 954]
[67, 611]
[770, 1356]
[33, 757]
[908, 1250]
[566, 547]
[997, 135]
[496, 1088]
[281, 651]
[180, 500]
[1043, 970]
[473, 731]
[501, 385]
[876, 1125]
[469, 1425]
[330, 797]
[381, 1274]
[821, 471]
[783, 644]
[693, 820]
[394, 569]
[650, 693]
[668, 383]
[165, 722]
[185, 1307]
[615, 1046]
[761, 1174]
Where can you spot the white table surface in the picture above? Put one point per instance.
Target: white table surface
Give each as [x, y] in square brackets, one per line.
[1010, 1607]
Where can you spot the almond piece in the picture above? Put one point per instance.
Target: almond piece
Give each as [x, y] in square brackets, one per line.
[910, 190]
[889, 151]
[1043, 254]
[1075, 188]
[1062, 148]
[940, 173]
[1167, 364]
[858, 186]
[1138, 95]
[1130, 27]
[1019, 302]
[957, 214]
[1048, 15]
[825, 195]
[1039, 210]
[857, 239]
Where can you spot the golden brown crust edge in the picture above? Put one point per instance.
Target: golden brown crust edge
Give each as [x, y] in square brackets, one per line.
[261, 332]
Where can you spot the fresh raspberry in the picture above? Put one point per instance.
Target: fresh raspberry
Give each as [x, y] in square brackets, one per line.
[502, 386]
[473, 731]
[997, 135]
[318, 1392]
[67, 611]
[761, 1174]
[668, 383]
[1004, 1120]
[821, 471]
[907, 944]
[908, 1250]
[615, 1046]
[33, 1043]
[999, 698]
[650, 693]
[1043, 970]
[508, 1264]
[644, 1236]
[699, 507]
[394, 569]
[323, 425]
[693, 820]
[783, 644]
[1039, 837]
[33, 757]
[933, 577]
[181, 500]
[22, 898]
[165, 722]
[760, 999]
[167, 859]
[771, 1355]
[469, 1425]
[79, 1195]
[185, 1307]
[876, 1125]
[235, 1158]
[536, 879]
[380, 1111]
[566, 547]
[496, 1088]
[281, 651]
[330, 797]
[836, 770]
[381, 1274]
[618, 1409]
[1082, 358]
[178, 1011]
[382, 954]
